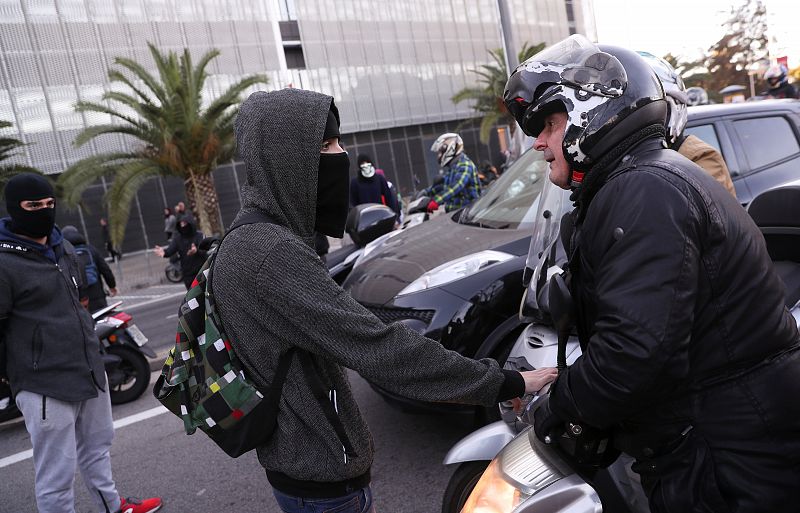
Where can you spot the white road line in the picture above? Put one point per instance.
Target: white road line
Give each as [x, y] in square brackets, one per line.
[173, 316]
[155, 300]
[125, 421]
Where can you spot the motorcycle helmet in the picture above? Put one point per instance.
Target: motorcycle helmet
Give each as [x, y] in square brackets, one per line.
[674, 93]
[447, 147]
[776, 76]
[609, 93]
[696, 96]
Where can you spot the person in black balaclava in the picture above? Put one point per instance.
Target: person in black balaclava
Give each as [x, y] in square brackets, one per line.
[52, 356]
[186, 244]
[273, 293]
[370, 186]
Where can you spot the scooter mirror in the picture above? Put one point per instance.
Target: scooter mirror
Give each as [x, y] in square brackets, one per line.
[367, 222]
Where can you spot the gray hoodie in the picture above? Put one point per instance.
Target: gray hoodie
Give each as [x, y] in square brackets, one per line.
[273, 292]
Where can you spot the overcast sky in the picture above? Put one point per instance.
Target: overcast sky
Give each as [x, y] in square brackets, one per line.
[680, 27]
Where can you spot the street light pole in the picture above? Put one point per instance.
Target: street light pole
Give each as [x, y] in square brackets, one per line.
[506, 33]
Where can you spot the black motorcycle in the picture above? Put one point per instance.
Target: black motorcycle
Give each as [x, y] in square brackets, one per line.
[124, 351]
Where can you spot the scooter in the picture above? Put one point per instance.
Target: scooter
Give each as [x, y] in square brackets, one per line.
[124, 351]
[365, 223]
[503, 466]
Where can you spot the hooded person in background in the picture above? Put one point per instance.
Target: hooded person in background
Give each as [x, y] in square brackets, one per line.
[52, 355]
[95, 270]
[370, 186]
[273, 294]
[186, 244]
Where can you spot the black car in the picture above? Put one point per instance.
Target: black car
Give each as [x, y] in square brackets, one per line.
[458, 277]
[759, 141]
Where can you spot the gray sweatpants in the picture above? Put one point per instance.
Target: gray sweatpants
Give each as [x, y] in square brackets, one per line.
[65, 435]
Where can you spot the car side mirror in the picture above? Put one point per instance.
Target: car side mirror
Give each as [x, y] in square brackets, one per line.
[367, 222]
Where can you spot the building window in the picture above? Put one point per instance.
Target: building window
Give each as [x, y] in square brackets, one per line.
[294, 57]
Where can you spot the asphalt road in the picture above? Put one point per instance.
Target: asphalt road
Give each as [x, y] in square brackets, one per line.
[153, 456]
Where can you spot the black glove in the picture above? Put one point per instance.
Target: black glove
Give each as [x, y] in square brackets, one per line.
[547, 423]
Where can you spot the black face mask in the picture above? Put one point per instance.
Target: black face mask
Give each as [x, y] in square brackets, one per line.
[32, 223]
[332, 194]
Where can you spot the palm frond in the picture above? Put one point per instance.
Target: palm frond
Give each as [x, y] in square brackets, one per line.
[142, 74]
[87, 106]
[118, 76]
[231, 97]
[128, 179]
[80, 175]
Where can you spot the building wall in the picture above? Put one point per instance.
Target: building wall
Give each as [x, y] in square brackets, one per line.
[392, 66]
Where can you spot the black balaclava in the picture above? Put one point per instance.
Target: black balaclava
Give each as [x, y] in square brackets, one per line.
[332, 184]
[30, 187]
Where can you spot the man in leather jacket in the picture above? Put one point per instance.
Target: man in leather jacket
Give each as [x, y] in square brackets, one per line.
[690, 357]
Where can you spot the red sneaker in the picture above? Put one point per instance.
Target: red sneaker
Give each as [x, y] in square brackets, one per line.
[133, 505]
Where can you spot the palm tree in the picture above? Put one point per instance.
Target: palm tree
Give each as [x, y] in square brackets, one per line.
[175, 136]
[7, 146]
[488, 94]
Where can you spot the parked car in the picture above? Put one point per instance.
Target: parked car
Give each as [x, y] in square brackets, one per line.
[458, 277]
[759, 141]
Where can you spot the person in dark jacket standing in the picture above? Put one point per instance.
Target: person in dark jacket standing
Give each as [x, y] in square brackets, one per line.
[88, 256]
[186, 244]
[53, 356]
[109, 245]
[690, 357]
[369, 186]
[170, 223]
[273, 293]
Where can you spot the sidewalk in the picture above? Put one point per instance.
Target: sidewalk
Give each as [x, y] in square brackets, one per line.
[142, 269]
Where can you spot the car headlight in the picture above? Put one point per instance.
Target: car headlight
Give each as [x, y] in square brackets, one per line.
[527, 470]
[456, 269]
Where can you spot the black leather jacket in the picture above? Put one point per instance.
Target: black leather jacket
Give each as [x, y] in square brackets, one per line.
[679, 312]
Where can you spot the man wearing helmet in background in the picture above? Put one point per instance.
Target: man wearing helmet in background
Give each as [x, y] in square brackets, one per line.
[461, 183]
[688, 349]
[696, 96]
[777, 79]
[690, 146]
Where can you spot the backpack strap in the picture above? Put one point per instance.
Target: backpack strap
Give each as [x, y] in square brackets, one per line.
[273, 396]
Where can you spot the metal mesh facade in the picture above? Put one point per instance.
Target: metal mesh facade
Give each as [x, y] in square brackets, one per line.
[390, 64]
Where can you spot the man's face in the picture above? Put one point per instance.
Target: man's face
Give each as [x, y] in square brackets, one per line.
[549, 142]
[33, 205]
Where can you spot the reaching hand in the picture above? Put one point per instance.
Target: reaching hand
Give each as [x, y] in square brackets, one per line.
[159, 251]
[192, 250]
[112, 292]
[535, 380]
[432, 206]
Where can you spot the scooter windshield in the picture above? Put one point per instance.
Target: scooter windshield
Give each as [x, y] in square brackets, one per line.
[543, 251]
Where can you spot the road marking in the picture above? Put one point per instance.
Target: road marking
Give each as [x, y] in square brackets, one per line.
[125, 421]
[155, 300]
[173, 316]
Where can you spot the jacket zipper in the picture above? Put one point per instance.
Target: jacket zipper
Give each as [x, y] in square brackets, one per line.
[37, 347]
[44, 408]
[80, 324]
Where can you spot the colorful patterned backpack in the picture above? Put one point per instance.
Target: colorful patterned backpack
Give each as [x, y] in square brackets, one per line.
[204, 383]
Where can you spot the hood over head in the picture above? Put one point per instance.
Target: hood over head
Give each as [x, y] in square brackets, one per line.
[279, 135]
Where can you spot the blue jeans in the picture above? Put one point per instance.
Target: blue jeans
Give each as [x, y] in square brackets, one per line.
[356, 502]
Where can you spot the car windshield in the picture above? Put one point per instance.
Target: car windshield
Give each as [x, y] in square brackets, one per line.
[513, 199]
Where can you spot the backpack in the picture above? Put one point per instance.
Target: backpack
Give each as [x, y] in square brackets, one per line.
[204, 383]
[86, 262]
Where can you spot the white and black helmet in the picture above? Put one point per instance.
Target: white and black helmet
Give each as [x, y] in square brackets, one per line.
[696, 96]
[447, 147]
[609, 94]
[675, 94]
[776, 75]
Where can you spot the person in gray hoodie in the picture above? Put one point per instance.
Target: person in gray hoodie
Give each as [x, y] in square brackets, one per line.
[273, 293]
